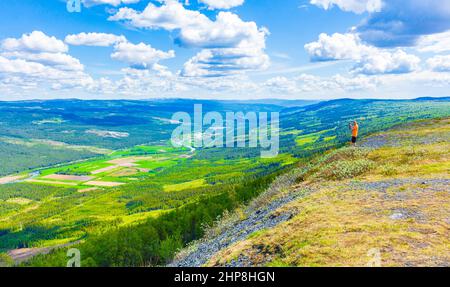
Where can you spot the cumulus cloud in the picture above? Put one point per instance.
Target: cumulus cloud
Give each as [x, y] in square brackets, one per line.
[140, 55]
[169, 16]
[356, 6]
[337, 47]
[369, 59]
[36, 58]
[384, 62]
[90, 3]
[228, 31]
[439, 63]
[37, 74]
[402, 23]
[222, 4]
[58, 60]
[229, 44]
[195, 29]
[36, 41]
[223, 62]
[94, 39]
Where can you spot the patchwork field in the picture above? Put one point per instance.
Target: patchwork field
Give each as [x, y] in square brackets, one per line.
[63, 204]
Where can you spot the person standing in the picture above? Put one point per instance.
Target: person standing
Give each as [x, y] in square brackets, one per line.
[355, 130]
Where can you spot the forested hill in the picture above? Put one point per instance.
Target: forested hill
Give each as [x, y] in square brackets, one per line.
[325, 124]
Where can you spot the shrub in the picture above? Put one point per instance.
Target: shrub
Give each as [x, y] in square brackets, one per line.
[388, 170]
[345, 169]
[5, 260]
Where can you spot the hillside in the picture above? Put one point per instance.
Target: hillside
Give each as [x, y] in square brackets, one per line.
[141, 187]
[385, 202]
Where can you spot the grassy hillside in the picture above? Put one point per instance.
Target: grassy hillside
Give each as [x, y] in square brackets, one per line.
[384, 202]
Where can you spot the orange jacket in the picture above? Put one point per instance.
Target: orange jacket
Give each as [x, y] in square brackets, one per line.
[355, 130]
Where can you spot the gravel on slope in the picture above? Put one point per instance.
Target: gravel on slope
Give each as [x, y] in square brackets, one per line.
[257, 220]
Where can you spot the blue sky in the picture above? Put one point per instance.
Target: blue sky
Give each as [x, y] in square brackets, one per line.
[224, 49]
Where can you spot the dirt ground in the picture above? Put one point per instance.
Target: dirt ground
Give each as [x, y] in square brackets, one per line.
[8, 179]
[104, 183]
[68, 177]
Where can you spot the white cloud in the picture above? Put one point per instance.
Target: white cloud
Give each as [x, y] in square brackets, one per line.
[281, 85]
[58, 60]
[358, 83]
[36, 41]
[224, 62]
[140, 55]
[90, 3]
[169, 16]
[94, 39]
[162, 71]
[356, 6]
[337, 47]
[227, 31]
[37, 72]
[439, 63]
[142, 83]
[306, 83]
[435, 43]
[38, 59]
[222, 4]
[369, 59]
[389, 86]
[229, 44]
[311, 85]
[233, 86]
[195, 29]
[384, 62]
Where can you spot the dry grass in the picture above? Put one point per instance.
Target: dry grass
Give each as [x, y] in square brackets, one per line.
[87, 189]
[124, 172]
[338, 228]
[343, 225]
[103, 183]
[105, 169]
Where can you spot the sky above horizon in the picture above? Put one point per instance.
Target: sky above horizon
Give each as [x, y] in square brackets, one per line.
[224, 49]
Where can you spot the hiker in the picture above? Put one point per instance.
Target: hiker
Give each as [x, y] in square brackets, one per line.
[355, 129]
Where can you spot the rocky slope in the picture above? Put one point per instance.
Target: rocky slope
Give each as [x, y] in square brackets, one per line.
[385, 202]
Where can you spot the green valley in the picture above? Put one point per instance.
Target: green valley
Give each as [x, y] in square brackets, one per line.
[125, 189]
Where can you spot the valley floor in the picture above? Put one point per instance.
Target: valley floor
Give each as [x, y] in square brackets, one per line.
[385, 202]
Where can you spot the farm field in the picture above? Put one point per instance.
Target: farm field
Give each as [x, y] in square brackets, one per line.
[64, 204]
[112, 170]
